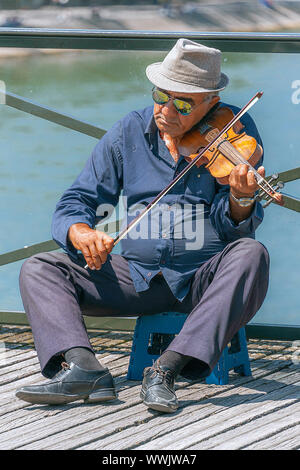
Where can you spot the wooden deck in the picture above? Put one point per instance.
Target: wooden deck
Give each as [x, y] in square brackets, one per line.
[259, 412]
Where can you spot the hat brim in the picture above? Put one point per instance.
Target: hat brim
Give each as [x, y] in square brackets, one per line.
[156, 77]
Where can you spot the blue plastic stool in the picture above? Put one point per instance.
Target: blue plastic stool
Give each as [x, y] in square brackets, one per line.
[153, 334]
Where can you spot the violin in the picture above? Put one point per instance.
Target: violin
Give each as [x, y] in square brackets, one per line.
[226, 151]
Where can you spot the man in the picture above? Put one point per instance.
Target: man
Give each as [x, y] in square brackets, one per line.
[219, 283]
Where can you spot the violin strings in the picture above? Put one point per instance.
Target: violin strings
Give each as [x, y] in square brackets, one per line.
[235, 158]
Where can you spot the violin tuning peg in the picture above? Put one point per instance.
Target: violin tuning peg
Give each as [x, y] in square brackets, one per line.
[280, 185]
[272, 178]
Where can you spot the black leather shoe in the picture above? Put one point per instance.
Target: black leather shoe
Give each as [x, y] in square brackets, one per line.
[70, 384]
[158, 389]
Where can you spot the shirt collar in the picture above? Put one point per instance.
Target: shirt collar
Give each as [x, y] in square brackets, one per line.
[151, 127]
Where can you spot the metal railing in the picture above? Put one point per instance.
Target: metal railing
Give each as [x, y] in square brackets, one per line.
[146, 40]
[130, 40]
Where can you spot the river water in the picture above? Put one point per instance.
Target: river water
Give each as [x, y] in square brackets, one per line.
[40, 159]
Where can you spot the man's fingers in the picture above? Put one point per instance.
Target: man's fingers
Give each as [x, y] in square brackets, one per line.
[242, 175]
[95, 247]
[251, 181]
[95, 254]
[261, 170]
[242, 179]
[101, 250]
[98, 254]
[88, 256]
[107, 241]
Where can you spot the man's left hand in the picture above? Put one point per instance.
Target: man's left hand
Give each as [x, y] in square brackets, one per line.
[242, 181]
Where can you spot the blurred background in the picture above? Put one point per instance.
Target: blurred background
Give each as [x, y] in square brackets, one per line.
[39, 159]
[162, 15]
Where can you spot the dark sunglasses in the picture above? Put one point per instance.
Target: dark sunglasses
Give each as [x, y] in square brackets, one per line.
[161, 97]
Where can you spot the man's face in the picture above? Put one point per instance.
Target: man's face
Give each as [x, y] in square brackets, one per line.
[169, 120]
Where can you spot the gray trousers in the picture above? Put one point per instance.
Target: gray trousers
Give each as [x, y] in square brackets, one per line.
[225, 294]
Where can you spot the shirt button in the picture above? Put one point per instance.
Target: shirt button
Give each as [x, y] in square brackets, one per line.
[149, 274]
[164, 235]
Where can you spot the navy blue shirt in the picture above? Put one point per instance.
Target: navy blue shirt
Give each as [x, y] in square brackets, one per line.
[132, 158]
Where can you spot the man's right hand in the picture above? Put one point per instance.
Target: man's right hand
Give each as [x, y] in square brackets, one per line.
[93, 244]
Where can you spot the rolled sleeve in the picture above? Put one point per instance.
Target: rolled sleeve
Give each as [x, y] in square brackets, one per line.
[99, 182]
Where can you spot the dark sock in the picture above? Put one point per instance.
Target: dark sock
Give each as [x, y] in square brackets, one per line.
[174, 361]
[84, 358]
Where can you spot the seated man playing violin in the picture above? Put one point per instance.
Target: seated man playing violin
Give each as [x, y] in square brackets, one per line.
[220, 280]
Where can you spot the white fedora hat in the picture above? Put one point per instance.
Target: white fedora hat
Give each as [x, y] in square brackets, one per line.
[189, 68]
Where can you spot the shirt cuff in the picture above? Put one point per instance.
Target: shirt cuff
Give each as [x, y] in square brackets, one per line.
[247, 226]
[60, 235]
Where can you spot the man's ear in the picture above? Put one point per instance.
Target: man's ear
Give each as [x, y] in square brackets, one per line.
[214, 100]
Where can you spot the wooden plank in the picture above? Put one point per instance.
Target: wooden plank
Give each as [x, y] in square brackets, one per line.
[8, 328]
[118, 365]
[215, 417]
[10, 404]
[11, 362]
[14, 354]
[181, 422]
[16, 381]
[17, 355]
[28, 368]
[19, 404]
[253, 431]
[9, 331]
[120, 382]
[98, 430]
[35, 378]
[29, 413]
[72, 417]
[106, 426]
[129, 393]
[11, 371]
[11, 357]
[199, 434]
[20, 340]
[112, 340]
[288, 439]
[262, 363]
[66, 417]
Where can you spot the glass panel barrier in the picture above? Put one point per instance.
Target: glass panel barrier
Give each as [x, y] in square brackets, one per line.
[39, 159]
